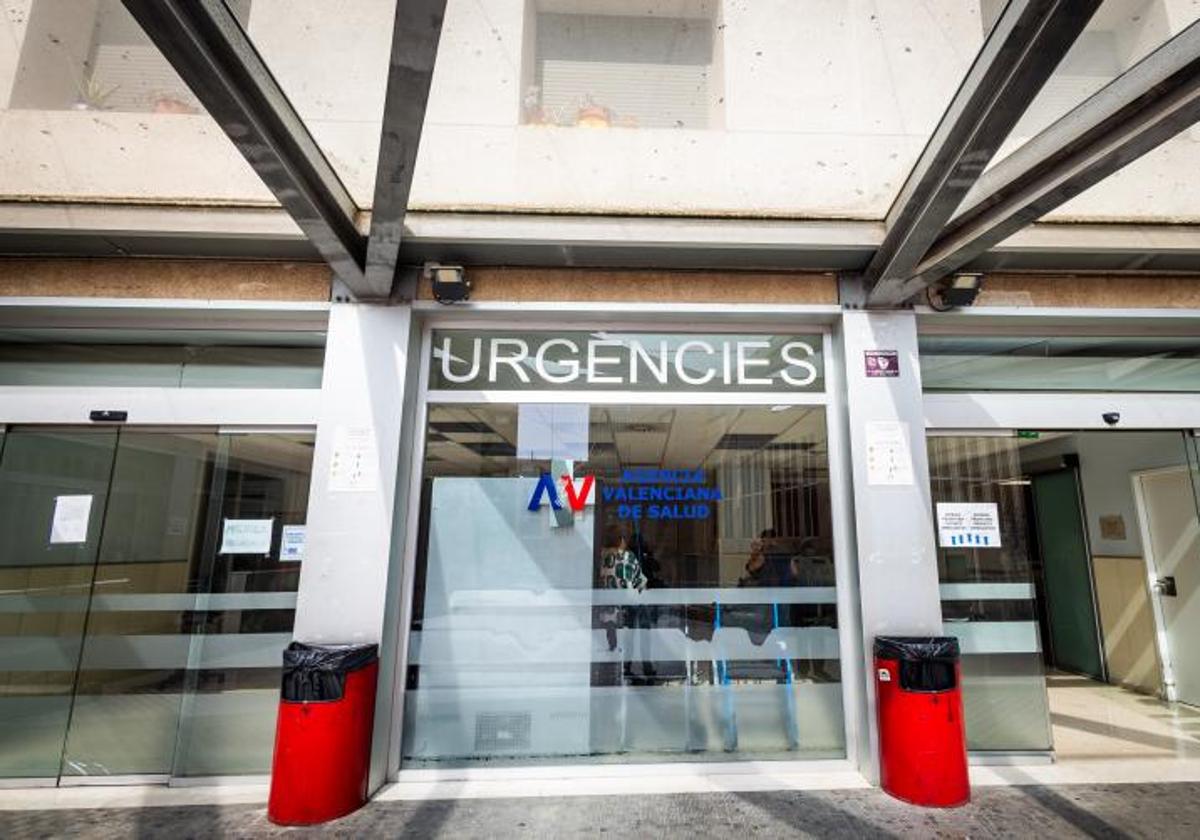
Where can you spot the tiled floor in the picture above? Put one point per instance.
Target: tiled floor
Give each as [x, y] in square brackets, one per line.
[1094, 721]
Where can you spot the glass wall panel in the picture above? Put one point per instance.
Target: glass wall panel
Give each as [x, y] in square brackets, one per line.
[53, 490]
[245, 616]
[989, 590]
[618, 581]
[145, 598]
[1037, 363]
[126, 709]
[165, 366]
[191, 606]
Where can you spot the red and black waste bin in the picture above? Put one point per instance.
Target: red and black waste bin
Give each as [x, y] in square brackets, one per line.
[922, 740]
[323, 733]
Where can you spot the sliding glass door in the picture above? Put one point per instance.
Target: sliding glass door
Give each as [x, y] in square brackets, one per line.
[144, 600]
[53, 492]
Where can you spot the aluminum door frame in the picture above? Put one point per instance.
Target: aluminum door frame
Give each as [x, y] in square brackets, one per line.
[699, 319]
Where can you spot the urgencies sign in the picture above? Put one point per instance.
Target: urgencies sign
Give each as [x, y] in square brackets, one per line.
[608, 361]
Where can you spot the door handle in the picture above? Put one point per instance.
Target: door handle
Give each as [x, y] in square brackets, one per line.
[1166, 586]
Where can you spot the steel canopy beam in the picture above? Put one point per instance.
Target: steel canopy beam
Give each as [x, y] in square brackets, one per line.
[415, 36]
[1020, 52]
[1141, 109]
[206, 45]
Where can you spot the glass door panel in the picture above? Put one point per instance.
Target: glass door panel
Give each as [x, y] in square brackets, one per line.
[191, 605]
[989, 599]
[248, 606]
[53, 492]
[135, 650]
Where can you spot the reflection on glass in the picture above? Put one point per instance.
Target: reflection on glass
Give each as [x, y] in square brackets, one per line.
[168, 366]
[1083, 363]
[232, 689]
[45, 578]
[134, 656]
[670, 591]
[137, 617]
[989, 595]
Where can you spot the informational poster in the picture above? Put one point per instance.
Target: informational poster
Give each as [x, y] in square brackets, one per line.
[247, 536]
[70, 522]
[968, 525]
[547, 430]
[889, 459]
[291, 543]
[354, 464]
[1112, 527]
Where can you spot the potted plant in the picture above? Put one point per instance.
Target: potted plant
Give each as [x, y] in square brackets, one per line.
[91, 94]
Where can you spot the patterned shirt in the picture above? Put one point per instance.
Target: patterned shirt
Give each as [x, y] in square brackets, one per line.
[621, 570]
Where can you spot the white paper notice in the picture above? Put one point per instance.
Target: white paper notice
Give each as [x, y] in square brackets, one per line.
[547, 430]
[291, 544]
[889, 460]
[354, 465]
[247, 536]
[968, 525]
[70, 522]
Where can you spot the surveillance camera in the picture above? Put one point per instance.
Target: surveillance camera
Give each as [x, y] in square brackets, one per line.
[1112, 418]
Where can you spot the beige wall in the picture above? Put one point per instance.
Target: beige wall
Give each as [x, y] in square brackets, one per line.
[1127, 622]
[186, 279]
[647, 286]
[1104, 291]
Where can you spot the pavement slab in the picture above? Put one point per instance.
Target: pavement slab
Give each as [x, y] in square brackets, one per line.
[1161, 811]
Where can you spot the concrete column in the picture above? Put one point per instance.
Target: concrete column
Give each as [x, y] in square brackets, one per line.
[897, 561]
[351, 578]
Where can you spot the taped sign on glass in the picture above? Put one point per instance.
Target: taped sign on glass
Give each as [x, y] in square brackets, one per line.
[552, 431]
[247, 536]
[70, 522]
[968, 525]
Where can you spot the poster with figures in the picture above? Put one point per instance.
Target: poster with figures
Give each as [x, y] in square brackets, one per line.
[968, 525]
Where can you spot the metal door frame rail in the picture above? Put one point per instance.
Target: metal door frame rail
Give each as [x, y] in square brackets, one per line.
[1138, 111]
[207, 46]
[1019, 54]
[415, 36]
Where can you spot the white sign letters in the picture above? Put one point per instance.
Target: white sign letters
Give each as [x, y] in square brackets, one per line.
[626, 361]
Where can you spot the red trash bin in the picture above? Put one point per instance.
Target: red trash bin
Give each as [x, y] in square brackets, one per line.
[323, 732]
[922, 739]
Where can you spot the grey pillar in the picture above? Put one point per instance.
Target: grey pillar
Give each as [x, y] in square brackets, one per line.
[350, 579]
[897, 561]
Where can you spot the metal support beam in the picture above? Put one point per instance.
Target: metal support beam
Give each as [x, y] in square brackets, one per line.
[1141, 109]
[1024, 46]
[415, 35]
[208, 48]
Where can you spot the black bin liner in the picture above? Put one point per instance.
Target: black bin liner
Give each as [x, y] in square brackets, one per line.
[926, 662]
[318, 672]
